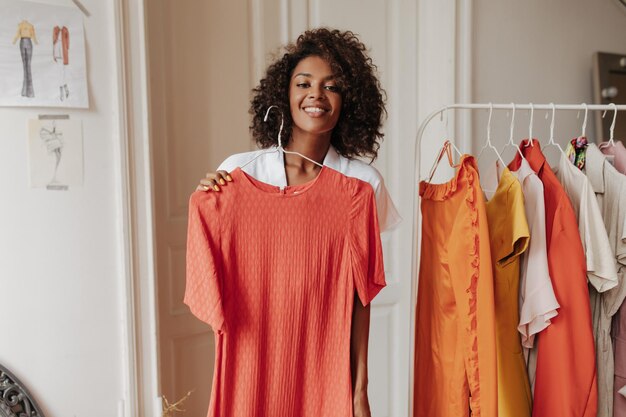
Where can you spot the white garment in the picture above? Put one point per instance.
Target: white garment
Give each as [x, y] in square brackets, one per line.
[609, 187]
[601, 271]
[270, 168]
[538, 304]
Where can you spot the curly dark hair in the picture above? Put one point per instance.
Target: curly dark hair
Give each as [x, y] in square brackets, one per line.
[358, 130]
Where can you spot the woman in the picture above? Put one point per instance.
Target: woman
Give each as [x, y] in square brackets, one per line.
[326, 90]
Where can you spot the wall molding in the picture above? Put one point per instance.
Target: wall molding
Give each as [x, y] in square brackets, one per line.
[444, 54]
[139, 345]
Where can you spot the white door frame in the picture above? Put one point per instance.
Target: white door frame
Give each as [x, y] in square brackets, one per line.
[443, 76]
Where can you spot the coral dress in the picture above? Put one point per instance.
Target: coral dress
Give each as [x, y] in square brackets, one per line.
[274, 271]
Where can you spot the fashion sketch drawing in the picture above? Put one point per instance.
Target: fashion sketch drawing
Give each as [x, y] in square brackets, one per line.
[53, 141]
[61, 56]
[26, 35]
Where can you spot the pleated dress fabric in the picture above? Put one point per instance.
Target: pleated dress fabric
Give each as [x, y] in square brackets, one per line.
[274, 272]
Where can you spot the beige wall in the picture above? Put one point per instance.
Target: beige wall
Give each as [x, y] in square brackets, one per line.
[539, 51]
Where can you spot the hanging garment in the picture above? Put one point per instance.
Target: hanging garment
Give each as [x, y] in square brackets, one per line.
[610, 189]
[274, 272]
[576, 150]
[270, 168]
[601, 271]
[538, 304]
[455, 348]
[617, 152]
[566, 371]
[509, 237]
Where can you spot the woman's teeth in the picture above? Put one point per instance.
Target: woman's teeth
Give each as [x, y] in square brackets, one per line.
[314, 110]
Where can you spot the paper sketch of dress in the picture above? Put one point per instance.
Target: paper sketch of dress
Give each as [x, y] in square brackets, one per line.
[26, 35]
[61, 56]
[53, 141]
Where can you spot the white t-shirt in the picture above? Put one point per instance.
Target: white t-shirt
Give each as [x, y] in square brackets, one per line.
[538, 304]
[270, 168]
[601, 270]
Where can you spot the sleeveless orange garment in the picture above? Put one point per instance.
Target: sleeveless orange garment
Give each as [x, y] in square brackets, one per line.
[455, 344]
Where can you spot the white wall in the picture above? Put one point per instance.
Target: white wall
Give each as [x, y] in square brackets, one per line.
[540, 51]
[61, 278]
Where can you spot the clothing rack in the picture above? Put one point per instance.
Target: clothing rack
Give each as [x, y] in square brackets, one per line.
[417, 177]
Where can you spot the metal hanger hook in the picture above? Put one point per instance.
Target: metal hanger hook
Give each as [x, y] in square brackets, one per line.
[612, 129]
[530, 125]
[489, 123]
[282, 121]
[584, 129]
[552, 122]
[512, 124]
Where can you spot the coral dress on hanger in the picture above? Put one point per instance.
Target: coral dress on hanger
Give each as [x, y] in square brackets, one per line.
[275, 271]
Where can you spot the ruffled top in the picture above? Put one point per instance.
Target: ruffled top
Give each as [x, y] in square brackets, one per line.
[440, 192]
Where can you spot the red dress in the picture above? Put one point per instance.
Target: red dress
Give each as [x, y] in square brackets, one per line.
[274, 272]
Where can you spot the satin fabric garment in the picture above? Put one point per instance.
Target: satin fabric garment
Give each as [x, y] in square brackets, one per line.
[565, 383]
[455, 348]
[509, 237]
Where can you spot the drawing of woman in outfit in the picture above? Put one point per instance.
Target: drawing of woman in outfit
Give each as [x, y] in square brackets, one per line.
[26, 34]
[53, 141]
[61, 55]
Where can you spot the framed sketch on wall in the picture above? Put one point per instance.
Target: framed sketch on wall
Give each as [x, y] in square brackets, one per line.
[42, 56]
[55, 148]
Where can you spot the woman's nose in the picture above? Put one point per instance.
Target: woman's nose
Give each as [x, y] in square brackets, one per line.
[316, 92]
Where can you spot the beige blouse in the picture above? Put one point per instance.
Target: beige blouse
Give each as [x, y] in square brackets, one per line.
[25, 30]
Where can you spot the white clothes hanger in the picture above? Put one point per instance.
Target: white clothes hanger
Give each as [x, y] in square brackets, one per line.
[445, 148]
[510, 142]
[584, 128]
[611, 141]
[551, 141]
[488, 144]
[530, 126]
[280, 148]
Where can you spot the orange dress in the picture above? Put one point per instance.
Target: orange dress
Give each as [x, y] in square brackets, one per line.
[565, 381]
[455, 343]
[274, 272]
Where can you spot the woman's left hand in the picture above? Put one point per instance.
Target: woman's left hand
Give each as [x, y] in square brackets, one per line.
[361, 405]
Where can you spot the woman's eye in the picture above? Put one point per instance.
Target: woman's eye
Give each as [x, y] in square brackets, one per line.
[332, 88]
[303, 85]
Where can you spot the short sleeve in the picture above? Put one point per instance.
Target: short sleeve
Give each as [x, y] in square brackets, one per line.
[599, 256]
[203, 290]
[388, 216]
[517, 235]
[538, 304]
[367, 264]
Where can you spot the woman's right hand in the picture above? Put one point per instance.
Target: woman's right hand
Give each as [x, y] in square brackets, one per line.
[213, 180]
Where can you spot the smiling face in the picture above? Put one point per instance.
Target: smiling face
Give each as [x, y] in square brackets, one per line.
[314, 97]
